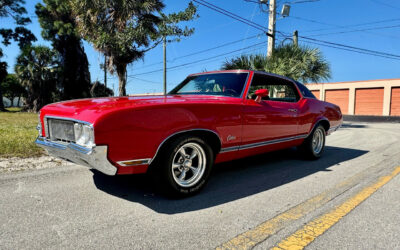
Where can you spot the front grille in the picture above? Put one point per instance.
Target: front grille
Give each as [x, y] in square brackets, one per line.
[61, 130]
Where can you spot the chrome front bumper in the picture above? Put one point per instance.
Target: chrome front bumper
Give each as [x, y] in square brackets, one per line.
[95, 157]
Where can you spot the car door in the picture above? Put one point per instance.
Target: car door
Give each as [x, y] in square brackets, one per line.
[273, 118]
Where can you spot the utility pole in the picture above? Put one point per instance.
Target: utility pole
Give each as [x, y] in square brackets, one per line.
[105, 73]
[165, 65]
[296, 38]
[271, 26]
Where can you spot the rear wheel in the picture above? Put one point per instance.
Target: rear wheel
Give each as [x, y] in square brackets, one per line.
[185, 165]
[313, 146]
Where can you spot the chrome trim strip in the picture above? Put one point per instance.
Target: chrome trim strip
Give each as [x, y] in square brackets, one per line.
[145, 161]
[180, 132]
[245, 85]
[229, 149]
[269, 142]
[68, 119]
[46, 127]
[263, 143]
[95, 157]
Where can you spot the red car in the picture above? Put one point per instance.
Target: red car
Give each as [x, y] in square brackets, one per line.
[209, 118]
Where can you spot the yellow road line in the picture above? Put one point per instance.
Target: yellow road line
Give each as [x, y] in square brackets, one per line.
[315, 228]
[261, 232]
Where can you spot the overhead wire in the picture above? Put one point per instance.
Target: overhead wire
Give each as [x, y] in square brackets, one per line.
[386, 4]
[357, 30]
[352, 26]
[260, 27]
[203, 51]
[201, 60]
[335, 25]
[232, 15]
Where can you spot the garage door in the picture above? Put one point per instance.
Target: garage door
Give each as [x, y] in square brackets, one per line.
[316, 93]
[395, 102]
[369, 101]
[339, 97]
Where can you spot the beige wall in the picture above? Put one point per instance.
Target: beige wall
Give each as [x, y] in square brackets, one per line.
[386, 84]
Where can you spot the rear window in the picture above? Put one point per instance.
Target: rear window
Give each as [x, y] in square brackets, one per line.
[305, 91]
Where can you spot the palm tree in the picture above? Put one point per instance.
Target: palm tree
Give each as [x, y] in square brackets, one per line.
[124, 30]
[297, 62]
[37, 71]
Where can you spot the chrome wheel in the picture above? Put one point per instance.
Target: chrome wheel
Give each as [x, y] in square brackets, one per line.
[318, 141]
[188, 164]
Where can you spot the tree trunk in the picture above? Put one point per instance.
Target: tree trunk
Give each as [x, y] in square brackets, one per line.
[75, 80]
[1, 101]
[121, 72]
[19, 99]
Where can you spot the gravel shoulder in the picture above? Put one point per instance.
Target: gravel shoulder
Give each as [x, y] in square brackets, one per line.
[16, 164]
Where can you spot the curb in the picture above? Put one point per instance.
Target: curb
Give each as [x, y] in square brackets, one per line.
[371, 118]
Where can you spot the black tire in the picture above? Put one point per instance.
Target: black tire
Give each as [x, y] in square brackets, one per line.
[308, 148]
[170, 155]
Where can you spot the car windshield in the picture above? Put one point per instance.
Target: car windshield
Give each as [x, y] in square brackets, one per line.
[224, 84]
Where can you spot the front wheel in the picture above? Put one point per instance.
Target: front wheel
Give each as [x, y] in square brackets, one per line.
[186, 165]
[314, 144]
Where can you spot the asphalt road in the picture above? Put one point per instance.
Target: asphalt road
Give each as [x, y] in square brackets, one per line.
[343, 200]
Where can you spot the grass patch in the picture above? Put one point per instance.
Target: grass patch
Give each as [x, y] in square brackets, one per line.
[17, 134]
[14, 109]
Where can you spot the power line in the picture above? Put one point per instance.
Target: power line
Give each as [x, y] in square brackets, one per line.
[335, 25]
[358, 30]
[144, 80]
[385, 4]
[201, 60]
[304, 1]
[252, 1]
[211, 60]
[316, 40]
[352, 50]
[352, 47]
[354, 25]
[239, 52]
[346, 47]
[366, 51]
[232, 15]
[203, 51]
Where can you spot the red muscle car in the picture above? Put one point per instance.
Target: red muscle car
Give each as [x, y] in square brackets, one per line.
[209, 118]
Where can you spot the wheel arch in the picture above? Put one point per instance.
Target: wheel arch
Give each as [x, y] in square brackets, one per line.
[321, 121]
[208, 135]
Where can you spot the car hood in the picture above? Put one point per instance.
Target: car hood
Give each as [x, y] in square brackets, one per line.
[90, 109]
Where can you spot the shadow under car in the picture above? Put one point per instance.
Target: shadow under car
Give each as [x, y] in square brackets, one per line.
[229, 181]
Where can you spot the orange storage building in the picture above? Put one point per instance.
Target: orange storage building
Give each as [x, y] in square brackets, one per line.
[373, 97]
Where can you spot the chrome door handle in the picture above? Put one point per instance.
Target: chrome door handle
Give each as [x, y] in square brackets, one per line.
[292, 110]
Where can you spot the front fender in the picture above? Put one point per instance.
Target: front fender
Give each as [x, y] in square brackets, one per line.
[136, 134]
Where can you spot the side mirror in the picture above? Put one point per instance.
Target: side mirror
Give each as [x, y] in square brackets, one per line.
[260, 94]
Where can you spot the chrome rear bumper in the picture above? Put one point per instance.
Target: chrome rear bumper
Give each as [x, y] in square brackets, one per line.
[333, 129]
[95, 157]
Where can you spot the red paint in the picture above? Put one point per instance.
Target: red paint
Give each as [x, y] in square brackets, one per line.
[134, 127]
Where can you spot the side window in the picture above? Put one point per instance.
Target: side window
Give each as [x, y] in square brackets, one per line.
[305, 91]
[279, 89]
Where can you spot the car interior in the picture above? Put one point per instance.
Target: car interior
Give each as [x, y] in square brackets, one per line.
[279, 89]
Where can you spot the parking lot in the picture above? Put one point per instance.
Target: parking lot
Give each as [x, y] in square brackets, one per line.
[347, 199]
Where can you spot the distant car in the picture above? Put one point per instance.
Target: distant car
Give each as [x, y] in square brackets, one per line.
[209, 118]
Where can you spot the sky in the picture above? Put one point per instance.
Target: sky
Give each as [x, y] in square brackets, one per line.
[367, 24]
